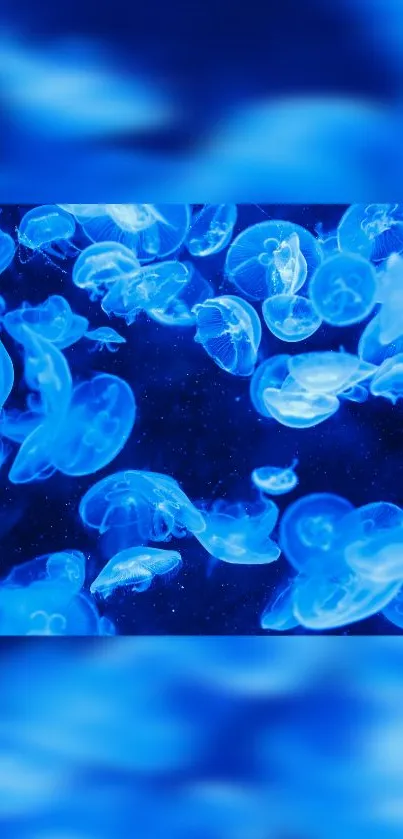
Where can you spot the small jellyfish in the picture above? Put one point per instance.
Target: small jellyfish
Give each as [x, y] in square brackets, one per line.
[233, 535]
[308, 531]
[105, 337]
[100, 266]
[388, 380]
[177, 311]
[278, 614]
[211, 229]
[393, 612]
[48, 229]
[150, 287]
[380, 557]
[230, 331]
[391, 298]
[7, 250]
[273, 257]
[271, 373]
[97, 425]
[343, 289]
[295, 407]
[372, 230]
[322, 602]
[150, 506]
[290, 317]
[328, 371]
[152, 231]
[135, 568]
[355, 393]
[53, 319]
[275, 480]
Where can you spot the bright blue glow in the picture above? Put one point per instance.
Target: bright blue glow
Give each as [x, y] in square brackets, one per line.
[275, 480]
[148, 288]
[178, 310]
[211, 229]
[343, 290]
[100, 266]
[328, 372]
[106, 337]
[48, 229]
[388, 380]
[152, 231]
[308, 531]
[372, 230]
[295, 407]
[230, 331]
[278, 614]
[135, 568]
[7, 250]
[53, 319]
[270, 374]
[321, 603]
[234, 535]
[290, 317]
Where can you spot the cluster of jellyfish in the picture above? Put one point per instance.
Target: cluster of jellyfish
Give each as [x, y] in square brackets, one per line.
[344, 564]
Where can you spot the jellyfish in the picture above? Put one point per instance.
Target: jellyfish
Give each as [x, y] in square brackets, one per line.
[150, 287]
[343, 289]
[271, 373]
[33, 461]
[177, 311]
[233, 535]
[388, 380]
[6, 375]
[273, 257]
[48, 229]
[374, 231]
[105, 337]
[393, 612]
[276, 480]
[46, 608]
[66, 568]
[290, 317]
[47, 372]
[295, 407]
[211, 229]
[82, 212]
[391, 298]
[152, 231]
[308, 531]
[278, 614]
[355, 393]
[148, 505]
[370, 347]
[7, 250]
[53, 320]
[367, 522]
[380, 557]
[322, 602]
[135, 568]
[230, 331]
[100, 266]
[17, 425]
[328, 371]
[97, 425]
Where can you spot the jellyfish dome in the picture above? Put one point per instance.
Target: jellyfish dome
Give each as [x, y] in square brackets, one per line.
[278, 614]
[148, 288]
[372, 230]
[388, 380]
[391, 298]
[211, 229]
[293, 406]
[230, 331]
[105, 336]
[343, 289]
[275, 480]
[53, 320]
[100, 266]
[135, 568]
[270, 373]
[272, 257]
[290, 317]
[380, 557]
[48, 229]
[7, 250]
[328, 371]
[152, 231]
[178, 310]
[235, 536]
[308, 531]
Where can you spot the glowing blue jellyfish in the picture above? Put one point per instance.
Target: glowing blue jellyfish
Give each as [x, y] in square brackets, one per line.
[153, 231]
[177, 311]
[47, 372]
[211, 229]
[17, 425]
[322, 602]
[295, 407]
[290, 317]
[278, 614]
[135, 568]
[97, 425]
[148, 505]
[106, 337]
[233, 535]
[53, 319]
[380, 557]
[273, 257]
[328, 371]
[372, 230]
[391, 297]
[6, 375]
[308, 531]
[7, 250]
[67, 568]
[271, 373]
[343, 289]
[276, 480]
[369, 521]
[230, 331]
[356, 393]
[33, 461]
[82, 212]
[3, 306]
[393, 612]
[150, 287]
[48, 229]
[388, 380]
[100, 266]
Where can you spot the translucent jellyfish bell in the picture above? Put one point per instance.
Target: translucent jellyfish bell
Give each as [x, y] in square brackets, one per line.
[48, 229]
[67, 568]
[293, 406]
[356, 393]
[308, 532]
[380, 557]
[100, 266]
[372, 230]
[151, 506]
[275, 480]
[106, 337]
[391, 298]
[278, 614]
[53, 319]
[234, 536]
[211, 229]
[272, 257]
[135, 568]
[388, 380]
[328, 371]
[6, 375]
[343, 289]
[150, 287]
[178, 311]
[369, 521]
[271, 373]
[82, 212]
[290, 317]
[7, 250]
[41, 609]
[230, 331]
[153, 231]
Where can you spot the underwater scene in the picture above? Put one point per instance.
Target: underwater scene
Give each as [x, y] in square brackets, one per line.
[200, 426]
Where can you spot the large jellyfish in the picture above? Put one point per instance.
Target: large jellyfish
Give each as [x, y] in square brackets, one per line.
[276, 480]
[328, 371]
[293, 406]
[100, 266]
[46, 371]
[343, 289]
[270, 373]
[211, 229]
[153, 231]
[230, 331]
[150, 287]
[53, 319]
[7, 250]
[48, 229]
[290, 317]
[150, 506]
[177, 311]
[234, 535]
[135, 568]
[308, 531]
[372, 230]
[272, 257]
